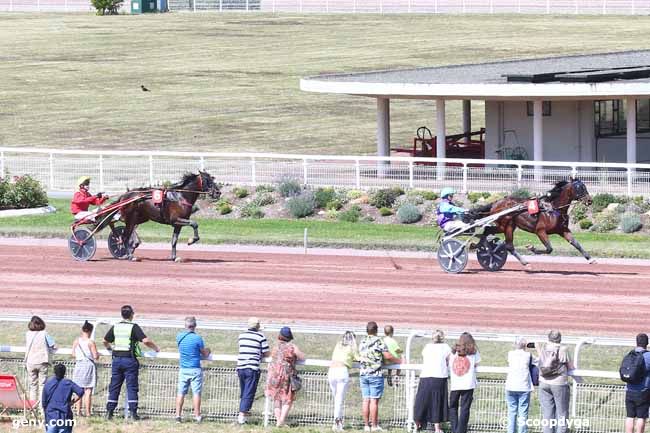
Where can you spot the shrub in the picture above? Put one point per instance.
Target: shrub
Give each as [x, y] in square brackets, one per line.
[578, 212]
[367, 219]
[414, 196]
[224, 209]
[385, 211]
[585, 224]
[302, 205]
[240, 192]
[605, 222]
[324, 196]
[520, 193]
[601, 201]
[264, 188]
[630, 222]
[289, 187]
[385, 197]
[331, 214]
[473, 197]
[430, 195]
[408, 214]
[251, 210]
[353, 194]
[263, 199]
[335, 204]
[351, 215]
[25, 192]
[107, 7]
[633, 207]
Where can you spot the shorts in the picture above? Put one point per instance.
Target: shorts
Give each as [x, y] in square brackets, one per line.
[371, 386]
[637, 404]
[190, 376]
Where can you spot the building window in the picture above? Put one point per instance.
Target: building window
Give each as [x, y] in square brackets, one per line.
[546, 108]
[609, 117]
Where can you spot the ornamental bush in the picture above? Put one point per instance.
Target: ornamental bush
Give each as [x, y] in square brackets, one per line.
[302, 205]
[473, 197]
[606, 221]
[289, 187]
[408, 214]
[23, 193]
[223, 206]
[107, 7]
[335, 204]
[251, 210]
[430, 195]
[263, 199]
[601, 201]
[385, 197]
[630, 222]
[521, 193]
[585, 224]
[385, 211]
[264, 188]
[351, 215]
[578, 212]
[240, 192]
[324, 196]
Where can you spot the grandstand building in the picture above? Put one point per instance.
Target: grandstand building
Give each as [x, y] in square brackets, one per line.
[573, 108]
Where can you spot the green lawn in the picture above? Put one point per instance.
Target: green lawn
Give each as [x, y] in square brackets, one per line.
[230, 82]
[322, 233]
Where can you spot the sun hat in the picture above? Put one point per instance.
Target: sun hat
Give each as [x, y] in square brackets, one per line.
[82, 180]
[254, 323]
[286, 333]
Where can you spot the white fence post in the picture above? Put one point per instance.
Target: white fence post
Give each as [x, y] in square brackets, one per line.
[576, 365]
[381, 6]
[629, 181]
[11, 5]
[465, 178]
[491, 6]
[150, 170]
[548, 7]
[357, 166]
[51, 186]
[202, 163]
[253, 172]
[101, 173]
[518, 6]
[327, 6]
[267, 408]
[2, 163]
[273, 6]
[520, 172]
[194, 5]
[247, 8]
[435, 6]
[604, 7]
[304, 171]
[410, 174]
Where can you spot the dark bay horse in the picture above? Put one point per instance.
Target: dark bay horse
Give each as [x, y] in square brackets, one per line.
[547, 221]
[175, 209]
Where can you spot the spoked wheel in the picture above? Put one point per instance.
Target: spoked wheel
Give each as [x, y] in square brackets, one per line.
[82, 244]
[492, 254]
[452, 256]
[116, 246]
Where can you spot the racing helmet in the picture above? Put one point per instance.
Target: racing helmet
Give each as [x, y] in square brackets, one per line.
[447, 192]
[83, 180]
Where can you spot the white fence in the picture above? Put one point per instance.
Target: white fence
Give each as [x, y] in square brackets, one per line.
[117, 171]
[621, 7]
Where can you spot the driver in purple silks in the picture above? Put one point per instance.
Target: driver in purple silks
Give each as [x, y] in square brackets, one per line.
[447, 211]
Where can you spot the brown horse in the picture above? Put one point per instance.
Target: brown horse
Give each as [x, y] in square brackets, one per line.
[547, 221]
[175, 209]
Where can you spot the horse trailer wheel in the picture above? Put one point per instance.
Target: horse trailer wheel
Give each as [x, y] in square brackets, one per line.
[492, 254]
[82, 245]
[116, 247]
[452, 256]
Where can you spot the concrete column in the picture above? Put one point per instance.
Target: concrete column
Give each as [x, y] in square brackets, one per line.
[630, 115]
[441, 151]
[538, 136]
[467, 118]
[383, 133]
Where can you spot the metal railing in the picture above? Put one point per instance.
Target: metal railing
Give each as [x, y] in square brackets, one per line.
[116, 171]
[601, 7]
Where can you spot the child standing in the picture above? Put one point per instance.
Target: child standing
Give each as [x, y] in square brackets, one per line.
[394, 349]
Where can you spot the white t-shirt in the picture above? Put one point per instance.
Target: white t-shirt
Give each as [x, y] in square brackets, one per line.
[519, 371]
[434, 360]
[462, 371]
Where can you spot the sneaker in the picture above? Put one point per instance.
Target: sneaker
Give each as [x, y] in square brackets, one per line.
[177, 419]
[241, 419]
[339, 424]
[376, 428]
[366, 428]
[198, 419]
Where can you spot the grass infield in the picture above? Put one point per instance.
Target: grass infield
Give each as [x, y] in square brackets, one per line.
[230, 82]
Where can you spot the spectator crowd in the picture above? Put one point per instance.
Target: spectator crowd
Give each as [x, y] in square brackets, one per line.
[445, 391]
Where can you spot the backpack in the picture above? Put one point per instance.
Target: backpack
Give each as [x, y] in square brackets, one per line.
[632, 368]
[550, 365]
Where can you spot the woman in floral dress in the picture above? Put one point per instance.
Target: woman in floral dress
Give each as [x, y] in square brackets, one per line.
[280, 371]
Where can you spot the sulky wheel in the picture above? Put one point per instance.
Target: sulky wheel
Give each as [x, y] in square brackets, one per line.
[452, 256]
[492, 254]
[115, 244]
[82, 244]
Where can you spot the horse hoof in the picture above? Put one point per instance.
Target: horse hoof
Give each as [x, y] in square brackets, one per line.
[592, 261]
[530, 247]
[192, 241]
[179, 260]
[134, 259]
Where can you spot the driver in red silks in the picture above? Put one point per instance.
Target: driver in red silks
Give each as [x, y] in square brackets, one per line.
[82, 199]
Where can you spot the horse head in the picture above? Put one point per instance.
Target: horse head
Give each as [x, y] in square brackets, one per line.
[208, 185]
[579, 191]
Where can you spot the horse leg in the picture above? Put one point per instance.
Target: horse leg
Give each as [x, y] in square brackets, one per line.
[177, 231]
[126, 240]
[570, 239]
[543, 237]
[195, 227]
[509, 234]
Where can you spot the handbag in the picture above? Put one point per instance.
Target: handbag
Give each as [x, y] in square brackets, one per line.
[295, 382]
[534, 372]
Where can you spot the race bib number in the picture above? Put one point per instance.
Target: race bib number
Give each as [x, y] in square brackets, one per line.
[157, 196]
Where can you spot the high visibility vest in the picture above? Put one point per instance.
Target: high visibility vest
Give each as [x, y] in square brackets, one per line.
[122, 332]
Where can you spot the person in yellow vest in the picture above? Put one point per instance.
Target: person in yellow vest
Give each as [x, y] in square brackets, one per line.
[124, 339]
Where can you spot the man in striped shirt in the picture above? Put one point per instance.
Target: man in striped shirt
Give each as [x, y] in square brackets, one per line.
[253, 347]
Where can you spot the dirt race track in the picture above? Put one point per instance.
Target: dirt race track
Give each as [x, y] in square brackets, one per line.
[574, 297]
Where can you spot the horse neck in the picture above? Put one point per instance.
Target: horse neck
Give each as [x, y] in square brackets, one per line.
[563, 202]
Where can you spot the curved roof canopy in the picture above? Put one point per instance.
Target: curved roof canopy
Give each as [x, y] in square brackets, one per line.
[596, 76]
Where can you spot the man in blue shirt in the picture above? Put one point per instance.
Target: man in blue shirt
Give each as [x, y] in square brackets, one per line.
[190, 350]
[447, 211]
[637, 396]
[57, 404]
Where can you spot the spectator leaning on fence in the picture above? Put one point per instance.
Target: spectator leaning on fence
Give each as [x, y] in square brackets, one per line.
[554, 365]
[431, 400]
[85, 353]
[253, 347]
[637, 391]
[463, 362]
[38, 354]
[191, 349]
[519, 385]
[57, 401]
[123, 340]
[345, 353]
[394, 349]
[281, 384]
[372, 354]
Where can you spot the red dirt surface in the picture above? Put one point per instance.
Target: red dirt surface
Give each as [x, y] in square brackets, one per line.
[325, 289]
